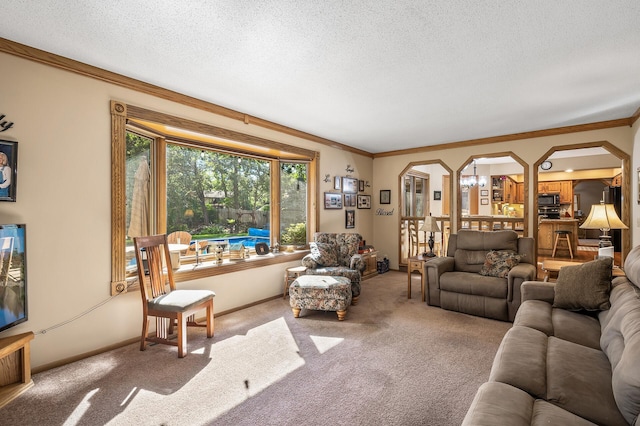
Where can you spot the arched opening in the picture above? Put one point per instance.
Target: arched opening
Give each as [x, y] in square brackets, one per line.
[425, 189]
[493, 193]
[583, 175]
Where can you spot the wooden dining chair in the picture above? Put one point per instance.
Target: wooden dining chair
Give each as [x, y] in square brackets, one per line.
[181, 237]
[169, 306]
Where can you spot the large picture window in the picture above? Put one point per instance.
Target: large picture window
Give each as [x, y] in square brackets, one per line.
[208, 193]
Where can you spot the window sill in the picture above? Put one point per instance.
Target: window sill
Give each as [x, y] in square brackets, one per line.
[209, 268]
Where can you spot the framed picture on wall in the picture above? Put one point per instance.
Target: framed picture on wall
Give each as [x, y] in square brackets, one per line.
[364, 201]
[349, 185]
[336, 182]
[484, 192]
[332, 200]
[8, 170]
[350, 219]
[361, 186]
[385, 196]
[349, 200]
[437, 195]
[484, 201]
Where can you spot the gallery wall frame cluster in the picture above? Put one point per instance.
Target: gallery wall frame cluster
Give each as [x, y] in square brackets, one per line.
[346, 193]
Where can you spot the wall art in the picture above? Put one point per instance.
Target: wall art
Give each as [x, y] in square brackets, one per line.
[349, 185]
[8, 170]
[364, 201]
[385, 196]
[350, 219]
[332, 200]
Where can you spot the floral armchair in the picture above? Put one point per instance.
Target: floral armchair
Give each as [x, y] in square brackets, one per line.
[336, 254]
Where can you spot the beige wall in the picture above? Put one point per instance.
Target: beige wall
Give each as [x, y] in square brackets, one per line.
[530, 150]
[62, 125]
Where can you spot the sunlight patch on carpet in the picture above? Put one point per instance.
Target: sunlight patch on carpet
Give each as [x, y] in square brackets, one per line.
[323, 343]
[242, 366]
[76, 417]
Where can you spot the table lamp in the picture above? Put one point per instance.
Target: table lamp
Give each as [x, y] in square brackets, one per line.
[430, 225]
[603, 217]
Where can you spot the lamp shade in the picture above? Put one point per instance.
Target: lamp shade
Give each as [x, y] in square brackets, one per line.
[603, 216]
[430, 225]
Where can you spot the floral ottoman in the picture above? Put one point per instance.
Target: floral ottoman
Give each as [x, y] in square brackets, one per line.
[321, 293]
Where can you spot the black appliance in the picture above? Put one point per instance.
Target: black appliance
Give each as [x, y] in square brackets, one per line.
[552, 200]
[549, 212]
[549, 206]
[613, 195]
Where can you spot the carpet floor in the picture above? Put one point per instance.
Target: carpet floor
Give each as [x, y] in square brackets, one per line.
[393, 361]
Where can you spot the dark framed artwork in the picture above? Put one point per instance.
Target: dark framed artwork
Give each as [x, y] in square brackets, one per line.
[484, 192]
[364, 201]
[349, 185]
[385, 196]
[13, 279]
[437, 195]
[350, 219]
[360, 186]
[484, 201]
[332, 200]
[8, 170]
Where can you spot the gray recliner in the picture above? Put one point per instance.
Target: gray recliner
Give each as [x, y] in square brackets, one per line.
[455, 283]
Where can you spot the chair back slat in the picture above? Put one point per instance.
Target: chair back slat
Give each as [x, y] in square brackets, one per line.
[152, 255]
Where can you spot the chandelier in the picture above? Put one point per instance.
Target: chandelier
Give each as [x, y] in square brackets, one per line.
[473, 180]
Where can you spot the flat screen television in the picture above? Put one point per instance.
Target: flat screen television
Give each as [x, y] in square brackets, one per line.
[13, 279]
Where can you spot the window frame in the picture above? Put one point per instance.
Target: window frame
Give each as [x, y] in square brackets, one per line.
[122, 115]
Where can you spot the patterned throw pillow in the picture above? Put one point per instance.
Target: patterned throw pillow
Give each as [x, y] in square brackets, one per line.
[323, 254]
[498, 263]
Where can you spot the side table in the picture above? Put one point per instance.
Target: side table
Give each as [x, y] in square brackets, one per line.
[416, 264]
[553, 266]
[290, 275]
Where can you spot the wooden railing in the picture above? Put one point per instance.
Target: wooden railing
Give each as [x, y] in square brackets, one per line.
[493, 223]
[413, 241]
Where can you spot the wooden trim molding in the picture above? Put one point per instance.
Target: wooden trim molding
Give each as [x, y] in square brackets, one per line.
[513, 137]
[124, 116]
[118, 196]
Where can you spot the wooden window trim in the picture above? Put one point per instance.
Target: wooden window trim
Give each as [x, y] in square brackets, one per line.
[120, 114]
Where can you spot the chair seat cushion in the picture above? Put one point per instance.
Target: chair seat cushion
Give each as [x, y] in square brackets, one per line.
[474, 284]
[180, 300]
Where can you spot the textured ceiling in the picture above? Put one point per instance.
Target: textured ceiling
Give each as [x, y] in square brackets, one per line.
[375, 75]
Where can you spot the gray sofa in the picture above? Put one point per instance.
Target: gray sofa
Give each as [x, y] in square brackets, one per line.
[562, 365]
[455, 282]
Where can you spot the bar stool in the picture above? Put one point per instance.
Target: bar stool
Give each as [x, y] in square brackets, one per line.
[290, 275]
[559, 234]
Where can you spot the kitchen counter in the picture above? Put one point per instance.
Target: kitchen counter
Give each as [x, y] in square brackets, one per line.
[547, 235]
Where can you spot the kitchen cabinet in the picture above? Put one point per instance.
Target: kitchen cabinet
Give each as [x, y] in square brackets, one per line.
[549, 187]
[562, 187]
[566, 192]
[503, 189]
[547, 235]
[519, 193]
